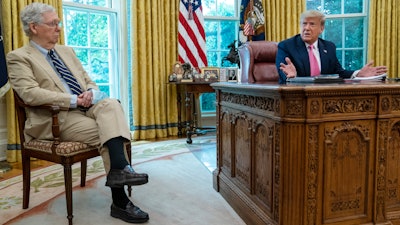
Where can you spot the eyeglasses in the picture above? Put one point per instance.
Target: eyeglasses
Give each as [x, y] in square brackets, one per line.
[54, 24]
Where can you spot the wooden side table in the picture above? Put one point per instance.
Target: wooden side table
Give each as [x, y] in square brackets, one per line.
[191, 91]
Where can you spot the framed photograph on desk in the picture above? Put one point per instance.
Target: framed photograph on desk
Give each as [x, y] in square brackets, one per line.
[177, 69]
[232, 74]
[210, 73]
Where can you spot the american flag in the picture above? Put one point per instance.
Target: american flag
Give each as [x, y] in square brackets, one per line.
[248, 27]
[191, 35]
[252, 9]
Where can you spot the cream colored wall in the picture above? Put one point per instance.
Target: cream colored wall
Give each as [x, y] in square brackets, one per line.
[3, 129]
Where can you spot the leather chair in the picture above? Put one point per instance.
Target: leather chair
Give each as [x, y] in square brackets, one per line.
[64, 153]
[257, 62]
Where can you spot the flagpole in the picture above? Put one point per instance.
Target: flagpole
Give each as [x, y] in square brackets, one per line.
[251, 12]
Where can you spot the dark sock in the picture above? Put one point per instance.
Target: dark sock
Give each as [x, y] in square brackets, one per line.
[119, 197]
[116, 149]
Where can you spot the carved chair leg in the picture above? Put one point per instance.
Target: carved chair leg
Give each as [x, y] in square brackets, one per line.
[26, 180]
[83, 172]
[68, 191]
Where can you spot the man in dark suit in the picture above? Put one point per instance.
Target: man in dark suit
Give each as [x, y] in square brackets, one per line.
[43, 72]
[293, 57]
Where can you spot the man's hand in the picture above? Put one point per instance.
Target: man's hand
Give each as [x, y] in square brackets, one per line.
[85, 99]
[368, 70]
[289, 69]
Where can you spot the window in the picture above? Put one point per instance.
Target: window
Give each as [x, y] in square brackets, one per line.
[221, 25]
[346, 25]
[90, 27]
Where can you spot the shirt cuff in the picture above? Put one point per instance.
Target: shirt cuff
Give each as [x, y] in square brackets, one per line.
[355, 73]
[74, 101]
[98, 96]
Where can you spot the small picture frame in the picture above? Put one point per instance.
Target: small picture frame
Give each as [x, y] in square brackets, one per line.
[222, 75]
[210, 73]
[232, 74]
[177, 68]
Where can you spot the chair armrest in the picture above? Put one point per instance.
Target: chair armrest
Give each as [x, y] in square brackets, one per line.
[53, 109]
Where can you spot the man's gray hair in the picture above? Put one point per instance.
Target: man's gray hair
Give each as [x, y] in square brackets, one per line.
[33, 13]
[313, 14]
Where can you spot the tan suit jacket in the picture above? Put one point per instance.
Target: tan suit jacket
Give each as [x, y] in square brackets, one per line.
[36, 82]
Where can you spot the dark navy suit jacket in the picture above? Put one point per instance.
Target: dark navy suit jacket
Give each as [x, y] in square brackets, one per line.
[296, 50]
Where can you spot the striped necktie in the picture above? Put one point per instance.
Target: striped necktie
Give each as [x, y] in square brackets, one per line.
[65, 74]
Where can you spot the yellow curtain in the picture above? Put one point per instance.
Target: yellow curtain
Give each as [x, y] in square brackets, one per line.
[14, 38]
[154, 34]
[282, 18]
[384, 35]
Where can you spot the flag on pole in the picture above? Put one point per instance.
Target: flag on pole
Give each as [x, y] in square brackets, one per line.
[191, 35]
[251, 21]
[4, 85]
[248, 27]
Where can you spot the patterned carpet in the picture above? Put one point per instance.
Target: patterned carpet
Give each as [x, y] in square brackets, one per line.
[179, 190]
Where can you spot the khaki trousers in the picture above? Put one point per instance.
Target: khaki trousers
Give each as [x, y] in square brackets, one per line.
[103, 121]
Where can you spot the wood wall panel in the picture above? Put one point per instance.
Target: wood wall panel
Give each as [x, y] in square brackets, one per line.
[225, 142]
[348, 158]
[242, 152]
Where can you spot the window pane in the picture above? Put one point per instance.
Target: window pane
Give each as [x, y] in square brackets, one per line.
[353, 6]
[99, 68]
[228, 35]
[221, 24]
[345, 29]
[99, 30]
[212, 58]
[75, 28]
[104, 88]
[333, 31]
[209, 7]
[211, 29]
[222, 8]
[353, 59]
[83, 56]
[207, 102]
[354, 30]
[226, 8]
[76, 1]
[314, 4]
[104, 3]
[333, 7]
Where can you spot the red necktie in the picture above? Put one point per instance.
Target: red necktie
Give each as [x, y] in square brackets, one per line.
[314, 68]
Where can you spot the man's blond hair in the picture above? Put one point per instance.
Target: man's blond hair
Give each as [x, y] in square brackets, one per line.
[313, 14]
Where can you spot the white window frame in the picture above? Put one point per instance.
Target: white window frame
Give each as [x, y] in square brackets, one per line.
[119, 62]
[211, 113]
[364, 15]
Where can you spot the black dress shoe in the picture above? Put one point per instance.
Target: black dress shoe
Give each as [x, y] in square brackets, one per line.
[127, 176]
[131, 214]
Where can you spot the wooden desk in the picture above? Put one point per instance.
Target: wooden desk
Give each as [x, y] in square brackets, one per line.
[191, 91]
[310, 154]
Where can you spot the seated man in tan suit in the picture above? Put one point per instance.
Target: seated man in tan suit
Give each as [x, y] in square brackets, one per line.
[43, 72]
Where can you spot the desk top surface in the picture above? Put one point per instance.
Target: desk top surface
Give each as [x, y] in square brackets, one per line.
[343, 88]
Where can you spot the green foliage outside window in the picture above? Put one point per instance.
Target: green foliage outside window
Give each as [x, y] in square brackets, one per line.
[88, 33]
[346, 26]
[221, 27]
